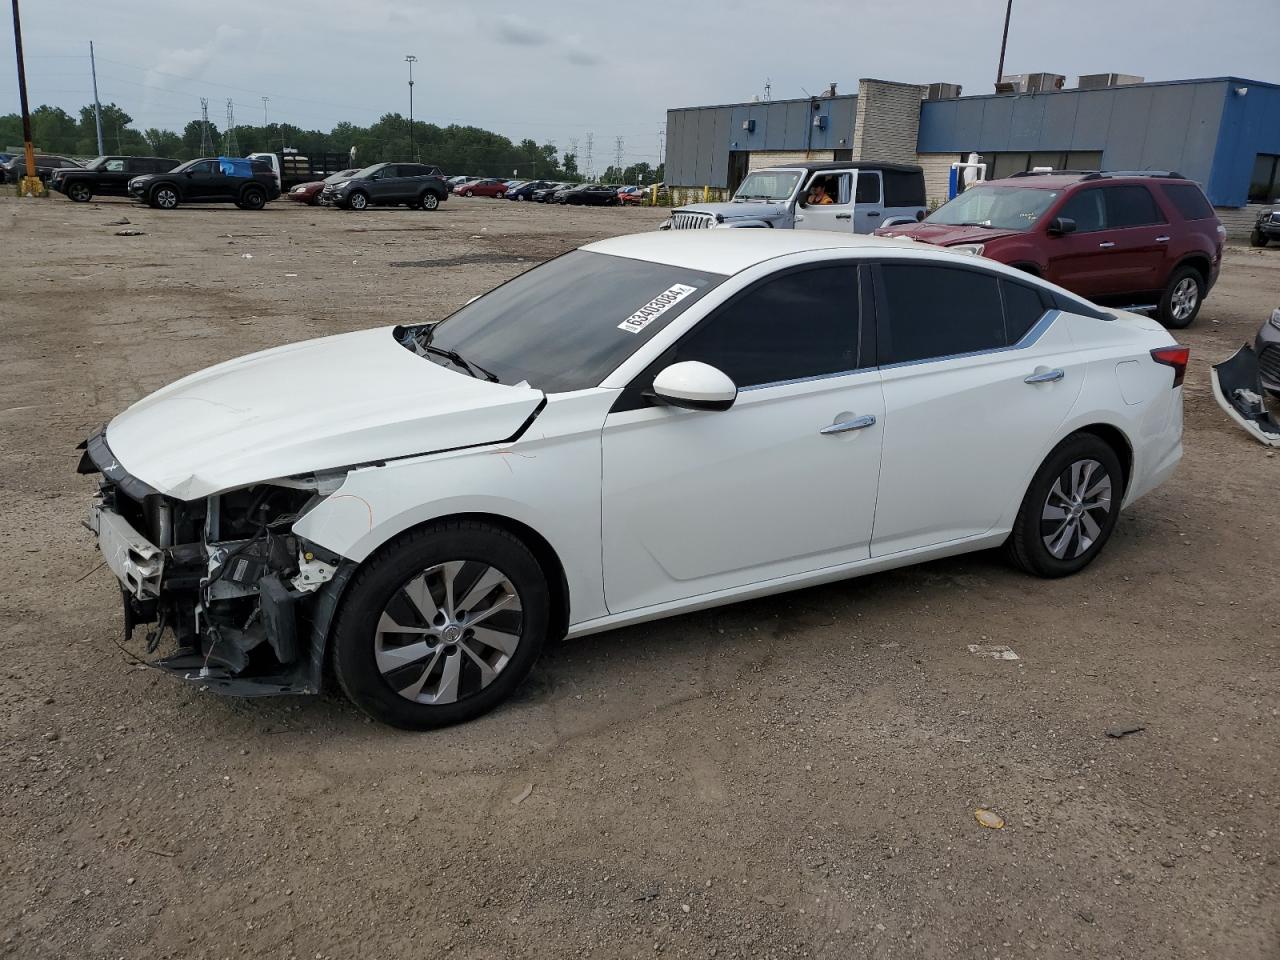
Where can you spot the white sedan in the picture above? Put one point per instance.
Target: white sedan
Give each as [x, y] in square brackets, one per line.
[645, 426]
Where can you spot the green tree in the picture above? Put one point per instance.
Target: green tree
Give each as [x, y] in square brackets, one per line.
[191, 137]
[163, 143]
[53, 130]
[570, 166]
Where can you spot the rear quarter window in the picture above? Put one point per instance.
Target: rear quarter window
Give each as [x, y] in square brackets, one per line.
[1188, 200]
[903, 189]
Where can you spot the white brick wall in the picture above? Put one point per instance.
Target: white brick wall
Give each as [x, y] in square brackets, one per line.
[888, 121]
[937, 176]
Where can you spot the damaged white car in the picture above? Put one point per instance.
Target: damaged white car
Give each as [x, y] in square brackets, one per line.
[647, 425]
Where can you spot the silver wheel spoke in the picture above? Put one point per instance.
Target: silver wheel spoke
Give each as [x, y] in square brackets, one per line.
[447, 692]
[501, 603]
[415, 688]
[1051, 512]
[505, 643]
[389, 624]
[449, 573]
[1058, 541]
[487, 673]
[1091, 530]
[392, 658]
[491, 578]
[419, 594]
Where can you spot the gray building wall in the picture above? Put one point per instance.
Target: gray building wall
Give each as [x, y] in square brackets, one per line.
[699, 139]
[1168, 126]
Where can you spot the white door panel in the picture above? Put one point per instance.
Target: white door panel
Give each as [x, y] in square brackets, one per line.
[699, 501]
[963, 436]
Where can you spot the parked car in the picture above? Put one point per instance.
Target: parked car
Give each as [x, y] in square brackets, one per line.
[310, 192]
[416, 185]
[648, 425]
[526, 190]
[46, 163]
[455, 182]
[1116, 238]
[249, 184]
[631, 195]
[1267, 227]
[848, 196]
[548, 194]
[590, 195]
[105, 176]
[488, 187]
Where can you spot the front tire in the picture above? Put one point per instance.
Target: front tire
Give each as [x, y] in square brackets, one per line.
[1256, 239]
[441, 626]
[80, 192]
[468, 193]
[1181, 300]
[165, 197]
[357, 201]
[1070, 509]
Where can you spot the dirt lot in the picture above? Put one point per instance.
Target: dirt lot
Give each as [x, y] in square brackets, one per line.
[783, 778]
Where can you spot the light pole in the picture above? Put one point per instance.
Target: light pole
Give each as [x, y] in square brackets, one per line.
[30, 184]
[1004, 42]
[411, 60]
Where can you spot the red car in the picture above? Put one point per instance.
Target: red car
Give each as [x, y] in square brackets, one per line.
[310, 192]
[483, 188]
[1124, 239]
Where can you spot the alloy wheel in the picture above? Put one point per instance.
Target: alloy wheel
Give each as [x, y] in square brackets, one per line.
[448, 632]
[358, 201]
[430, 201]
[1185, 297]
[1076, 509]
[79, 192]
[166, 199]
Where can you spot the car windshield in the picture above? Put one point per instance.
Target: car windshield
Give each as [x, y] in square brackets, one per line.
[768, 185]
[340, 176]
[997, 208]
[95, 163]
[569, 323]
[367, 171]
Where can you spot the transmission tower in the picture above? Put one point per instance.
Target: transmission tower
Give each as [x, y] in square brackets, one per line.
[617, 154]
[230, 146]
[206, 138]
[586, 157]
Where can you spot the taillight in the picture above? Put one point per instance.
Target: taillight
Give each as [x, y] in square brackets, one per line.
[1176, 357]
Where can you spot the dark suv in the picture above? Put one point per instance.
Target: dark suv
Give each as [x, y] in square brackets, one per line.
[249, 184]
[108, 176]
[1144, 239]
[416, 185]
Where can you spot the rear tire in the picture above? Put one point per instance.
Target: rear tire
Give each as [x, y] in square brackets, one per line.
[1258, 239]
[1070, 509]
[402, 648]
[1181, 300]
[252, 198]
[429, 201]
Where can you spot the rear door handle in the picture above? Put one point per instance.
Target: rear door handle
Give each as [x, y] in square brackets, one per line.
[1107, 245]
[1162, 239]
[844, 216]
[844, 426]
[1045, 376]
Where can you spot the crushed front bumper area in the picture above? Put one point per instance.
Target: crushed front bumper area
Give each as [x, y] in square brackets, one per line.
[230, 598]
[1237, 386]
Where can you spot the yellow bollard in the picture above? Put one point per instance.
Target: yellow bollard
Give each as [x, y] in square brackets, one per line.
[706, 194]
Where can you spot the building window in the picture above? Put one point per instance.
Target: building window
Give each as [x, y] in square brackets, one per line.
[1264, 185]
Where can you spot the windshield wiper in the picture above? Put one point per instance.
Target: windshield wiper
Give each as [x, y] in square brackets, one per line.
[471, 367]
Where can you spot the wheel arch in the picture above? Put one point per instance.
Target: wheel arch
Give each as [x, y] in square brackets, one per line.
[1118, 441]
[1201, 262]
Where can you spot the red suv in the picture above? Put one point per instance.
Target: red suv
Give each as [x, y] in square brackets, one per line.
[1123, 239]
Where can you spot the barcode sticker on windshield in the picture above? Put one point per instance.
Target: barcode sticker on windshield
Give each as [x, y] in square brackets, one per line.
[656, 307]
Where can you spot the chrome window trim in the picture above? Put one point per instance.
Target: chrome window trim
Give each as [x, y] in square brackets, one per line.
[1028, 339]
[812, 379]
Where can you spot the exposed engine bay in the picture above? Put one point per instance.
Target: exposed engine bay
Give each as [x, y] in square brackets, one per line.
[228, 595]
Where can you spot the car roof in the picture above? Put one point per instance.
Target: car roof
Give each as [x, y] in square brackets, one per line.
[729, 251]
[814, 166]
[1060, 180]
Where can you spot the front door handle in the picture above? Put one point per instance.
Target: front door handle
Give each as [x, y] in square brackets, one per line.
[1045, 376]
[844, 216]
[844, 426]
[1107, 245]
[1162, 239]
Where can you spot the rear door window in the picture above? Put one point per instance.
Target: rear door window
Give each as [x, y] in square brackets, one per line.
[1130, 205]
[868, 186]
[1023, 308]
[927, 312]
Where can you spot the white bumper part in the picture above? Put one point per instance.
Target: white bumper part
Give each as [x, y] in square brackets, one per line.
[135, 561]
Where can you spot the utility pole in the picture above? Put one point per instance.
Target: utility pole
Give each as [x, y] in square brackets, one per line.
[586, 156]
[617, 155]
[1004, 41]
[97, 107]
[30, 185]
[264, 111]
[413, 151]
[206, 138]
[230, 146]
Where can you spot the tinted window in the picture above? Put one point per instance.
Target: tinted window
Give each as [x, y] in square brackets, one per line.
[1189, 201]
[868, 187]
[204, 166]
[937, 312]
[1023, 306]
[800, 324]
[114, 166]
[903, 189]
[1086, 209]
[568, 324]
[1131, 206]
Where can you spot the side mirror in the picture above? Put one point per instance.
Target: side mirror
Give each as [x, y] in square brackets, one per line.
[920, 215]
[694, 386]
[1061, 226]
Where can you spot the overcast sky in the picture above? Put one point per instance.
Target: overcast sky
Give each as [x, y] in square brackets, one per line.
[559, 69]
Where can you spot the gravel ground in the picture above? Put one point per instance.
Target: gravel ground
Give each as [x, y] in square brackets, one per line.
[788, 777]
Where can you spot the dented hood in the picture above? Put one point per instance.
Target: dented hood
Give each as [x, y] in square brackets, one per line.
[315, 405]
